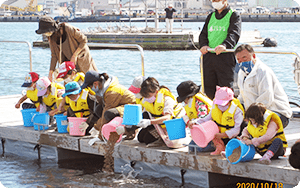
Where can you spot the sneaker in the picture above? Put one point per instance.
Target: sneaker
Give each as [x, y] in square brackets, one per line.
[157, 143]
[264, 161]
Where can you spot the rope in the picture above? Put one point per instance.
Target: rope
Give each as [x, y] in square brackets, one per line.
[192, 40]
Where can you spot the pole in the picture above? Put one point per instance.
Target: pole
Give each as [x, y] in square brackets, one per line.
[156, 15]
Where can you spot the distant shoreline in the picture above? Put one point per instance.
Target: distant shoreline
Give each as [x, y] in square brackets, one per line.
[187, 18]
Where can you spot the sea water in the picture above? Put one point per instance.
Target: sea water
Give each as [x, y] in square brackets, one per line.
[168, 67]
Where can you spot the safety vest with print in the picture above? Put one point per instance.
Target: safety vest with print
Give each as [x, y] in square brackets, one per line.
[118, 88]
[32, 95]
[157, 107]
[52, 98]
[79, 78]
[80, 107]
[218, 29]
[260, 130]
[190, 108]
[225, 120]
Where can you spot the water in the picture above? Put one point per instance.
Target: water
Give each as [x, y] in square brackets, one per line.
[168, 67]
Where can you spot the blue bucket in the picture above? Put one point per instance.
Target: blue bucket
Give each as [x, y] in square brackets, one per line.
[132, 114]
[62, 123]
[175, 128]
[27, 116]
[41, 121]
[247, 151]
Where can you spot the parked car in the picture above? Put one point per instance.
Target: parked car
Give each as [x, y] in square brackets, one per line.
[261, 10]
[240, 10]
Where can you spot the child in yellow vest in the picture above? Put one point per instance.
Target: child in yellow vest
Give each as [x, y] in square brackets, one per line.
[67, 71]
[196, 105]
[265, 132]
[80, 105]
[228, 113]
[31, 92]
[51, 93]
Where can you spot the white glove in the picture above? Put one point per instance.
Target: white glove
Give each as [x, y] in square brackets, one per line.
[144, 123]
[94, 132]
[92, 141]
[83, 126]
[120, 130]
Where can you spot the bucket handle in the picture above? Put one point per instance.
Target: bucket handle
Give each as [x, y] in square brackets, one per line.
[32, 117]
[246, 152]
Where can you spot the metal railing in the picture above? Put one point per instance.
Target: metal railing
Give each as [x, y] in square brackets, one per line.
[129, 46]
[232, 50]
[29, 48]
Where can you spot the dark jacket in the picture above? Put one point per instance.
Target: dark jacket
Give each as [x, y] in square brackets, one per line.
[169, 12]
[234, 30]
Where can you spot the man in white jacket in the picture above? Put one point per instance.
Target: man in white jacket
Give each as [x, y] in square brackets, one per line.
[258, 83]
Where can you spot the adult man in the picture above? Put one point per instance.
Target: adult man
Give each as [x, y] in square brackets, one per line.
[169, 18]
[221, 31]
[258, 83]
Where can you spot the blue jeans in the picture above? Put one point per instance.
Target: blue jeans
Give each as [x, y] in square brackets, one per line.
[210, 147]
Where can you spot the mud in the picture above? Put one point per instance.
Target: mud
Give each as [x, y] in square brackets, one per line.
[109, 150]
[236, 153]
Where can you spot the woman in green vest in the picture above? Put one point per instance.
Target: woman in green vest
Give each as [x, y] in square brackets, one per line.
[221, 31]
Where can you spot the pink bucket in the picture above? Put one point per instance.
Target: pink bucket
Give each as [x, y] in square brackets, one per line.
[111, 127]
[203, 133]
[74, 123]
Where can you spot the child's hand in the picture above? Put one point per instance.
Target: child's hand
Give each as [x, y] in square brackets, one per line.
[17, 105]
[65, 113]
[248, 142]
[190, 124]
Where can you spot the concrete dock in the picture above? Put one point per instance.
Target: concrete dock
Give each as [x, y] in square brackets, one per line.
[216, 167]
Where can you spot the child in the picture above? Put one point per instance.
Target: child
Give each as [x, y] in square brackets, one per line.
[31, 92]
[196, 105]
[160, 105]
[80, 104]
[135, 87]
[51, 93]
[295, 155]
[68, 72]
[228, 114]
[265, 132]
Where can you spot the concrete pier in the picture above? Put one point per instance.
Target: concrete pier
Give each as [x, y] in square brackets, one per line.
[216, 167]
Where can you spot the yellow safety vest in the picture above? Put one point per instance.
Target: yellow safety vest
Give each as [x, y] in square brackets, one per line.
[260, 130]
[80, 107]
[79, 77]
[225, 120]
[190, 108]
[52, 98]
[32, 95]
[156, 108]
[116, 87]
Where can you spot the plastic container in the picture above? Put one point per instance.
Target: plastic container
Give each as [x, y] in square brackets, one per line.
[132, 114]
[62, 123]
[111, 127]
[175, 128]
[41, 121]
[247, 151]
[27, 116]
[74, 123]
[203, 133]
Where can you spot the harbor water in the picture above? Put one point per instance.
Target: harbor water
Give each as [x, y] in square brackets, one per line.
[169, 67]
